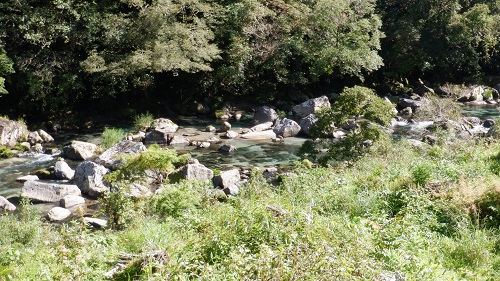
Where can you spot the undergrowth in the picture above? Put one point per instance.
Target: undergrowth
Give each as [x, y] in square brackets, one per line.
[424, 213]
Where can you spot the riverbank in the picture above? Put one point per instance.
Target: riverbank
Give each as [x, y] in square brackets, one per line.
[426, 213]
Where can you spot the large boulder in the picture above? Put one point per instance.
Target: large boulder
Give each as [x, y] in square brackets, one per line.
[111, 157]
[307, 122]
[197, 172]
[58, 214]
[287, 128]
[79, 150]
[11, 131]
[161, 131]
[227, 178]
[89, 177]
[310, 106]
[63, 171]
[5, 205]
[265, 114]
[48, 192]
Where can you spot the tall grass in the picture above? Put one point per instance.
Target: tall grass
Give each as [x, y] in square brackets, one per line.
[111, 136]
[423, 213]
[143, 121]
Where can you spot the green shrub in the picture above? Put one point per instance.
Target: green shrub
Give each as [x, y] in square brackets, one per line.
[178, 199]
[357, 105]
[6, 152]
[118, 207]
[143, 121]
[111, 136]
[421, 174]
[155, 163]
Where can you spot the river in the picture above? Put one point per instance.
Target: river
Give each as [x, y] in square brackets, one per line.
[249, 153]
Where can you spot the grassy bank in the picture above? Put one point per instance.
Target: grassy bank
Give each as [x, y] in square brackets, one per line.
[428, 213]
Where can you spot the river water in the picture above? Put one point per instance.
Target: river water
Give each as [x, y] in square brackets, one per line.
[250, 153]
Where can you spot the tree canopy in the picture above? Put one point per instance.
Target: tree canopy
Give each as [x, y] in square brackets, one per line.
[62, 54]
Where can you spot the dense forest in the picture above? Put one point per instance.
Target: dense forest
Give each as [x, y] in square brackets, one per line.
[63, 56]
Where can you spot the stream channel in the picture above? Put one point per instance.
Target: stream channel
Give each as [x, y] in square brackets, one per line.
[250, 153]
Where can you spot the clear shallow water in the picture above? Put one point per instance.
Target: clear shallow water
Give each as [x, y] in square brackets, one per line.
[249, 152]
[483, 112]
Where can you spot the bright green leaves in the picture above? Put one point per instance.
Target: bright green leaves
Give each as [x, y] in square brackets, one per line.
[161, 36]
[368, 115]
[5, 69]
[343, 38]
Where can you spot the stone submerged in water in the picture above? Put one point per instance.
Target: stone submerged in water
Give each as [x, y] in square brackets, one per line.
[47, 192]
[227, 148]
[262, 135]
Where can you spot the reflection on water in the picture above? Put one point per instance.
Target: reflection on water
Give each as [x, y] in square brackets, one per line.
[483, 112]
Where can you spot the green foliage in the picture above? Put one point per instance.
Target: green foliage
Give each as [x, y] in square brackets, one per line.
[453, 39]
[111, 136]
[118, 207]
[179, 199]
[421, 174]
[155, 163]
[6, 152]
[5, 68]
[371, 216]
[143, 121]
[357, 105]
[495, 164]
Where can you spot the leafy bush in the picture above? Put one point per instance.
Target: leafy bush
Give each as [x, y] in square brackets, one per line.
[177, 199]
[421, 174]
[118, 207]
[143, 121]
[155, 163]
[361, 107]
